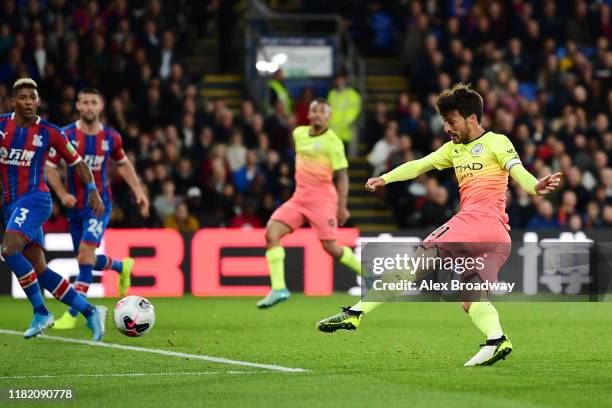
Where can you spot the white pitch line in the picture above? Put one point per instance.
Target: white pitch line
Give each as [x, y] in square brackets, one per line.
[31, 377]
[164, 352]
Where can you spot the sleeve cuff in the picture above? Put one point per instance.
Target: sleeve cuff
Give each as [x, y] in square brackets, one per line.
[51, 164]
[386, 178]
[77, 161]
[124, 160]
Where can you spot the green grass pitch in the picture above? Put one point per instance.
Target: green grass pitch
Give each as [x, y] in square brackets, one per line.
[402, 355]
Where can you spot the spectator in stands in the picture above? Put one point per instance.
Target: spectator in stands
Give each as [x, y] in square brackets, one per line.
[184, 177]
[246, 217]
[436, 210]
[383, 148]
[278, 92]
[243, 177]
[545, 218]
[376, 124]
[236, 152]
[592, 217]
[345, 102]
[567, 207]
[165, 203]
[181, 220]
[302, 106]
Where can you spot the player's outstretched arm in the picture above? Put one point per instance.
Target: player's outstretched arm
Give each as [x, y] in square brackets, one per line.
[127, 172]
[342, 186]
[406, 171]
[533, 186]
[95, 202]
[55, 182]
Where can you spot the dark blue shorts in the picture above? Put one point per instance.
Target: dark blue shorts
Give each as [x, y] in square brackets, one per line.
[27, 214]
[85, 227]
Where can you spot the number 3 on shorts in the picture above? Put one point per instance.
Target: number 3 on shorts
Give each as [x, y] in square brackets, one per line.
[23, 213]
[95, 227]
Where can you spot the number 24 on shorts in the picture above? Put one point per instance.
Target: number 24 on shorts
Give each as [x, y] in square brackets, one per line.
[95, 227]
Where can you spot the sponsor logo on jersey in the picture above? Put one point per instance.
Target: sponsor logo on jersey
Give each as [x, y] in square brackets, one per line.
[105, 146]
[94, 162]
[16, 157]
[469, 166]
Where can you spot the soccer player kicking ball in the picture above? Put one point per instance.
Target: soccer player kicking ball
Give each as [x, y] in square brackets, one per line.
[482, 160]
[24, 146]
[96, 144]
[319, 160]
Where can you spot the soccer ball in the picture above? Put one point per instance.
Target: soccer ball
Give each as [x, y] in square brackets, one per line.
[134, 316]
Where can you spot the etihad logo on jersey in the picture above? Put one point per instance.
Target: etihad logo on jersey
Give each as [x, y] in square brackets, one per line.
[468, 166]
[94, 162]
[16, 157]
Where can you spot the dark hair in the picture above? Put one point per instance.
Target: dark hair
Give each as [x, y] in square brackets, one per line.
[91, 91]
[24, 83]
[461, 98]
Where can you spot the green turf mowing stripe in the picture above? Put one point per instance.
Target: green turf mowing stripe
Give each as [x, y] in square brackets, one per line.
[164, 352]
[31, 377]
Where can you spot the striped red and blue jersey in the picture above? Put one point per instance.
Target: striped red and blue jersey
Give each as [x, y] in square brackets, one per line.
[23, 153]
[96, 151]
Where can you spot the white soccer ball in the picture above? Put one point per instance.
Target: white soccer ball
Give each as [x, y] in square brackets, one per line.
[134, 316]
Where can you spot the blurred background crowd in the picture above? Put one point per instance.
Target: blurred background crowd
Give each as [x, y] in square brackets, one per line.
[543, 67]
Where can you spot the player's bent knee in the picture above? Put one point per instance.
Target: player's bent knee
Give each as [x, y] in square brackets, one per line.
[470, 296]
[12, 245]
[86, 255]
[274, 233]
[272, 237]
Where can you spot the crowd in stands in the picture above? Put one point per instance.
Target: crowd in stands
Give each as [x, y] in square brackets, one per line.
[201, 163]
[544, 70]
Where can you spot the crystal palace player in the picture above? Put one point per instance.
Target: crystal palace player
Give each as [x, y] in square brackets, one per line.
[319, 159]
[24, 147]
[96, 144]
[482, 161]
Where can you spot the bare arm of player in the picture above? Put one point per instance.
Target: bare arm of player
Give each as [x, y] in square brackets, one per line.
[55, 182]
[95, 202]
[342, 186]
[127, 172]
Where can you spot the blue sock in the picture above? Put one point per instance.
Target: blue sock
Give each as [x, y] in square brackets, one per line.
[27, 279]
[64, 292]
[104, 262]
[81, 285]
